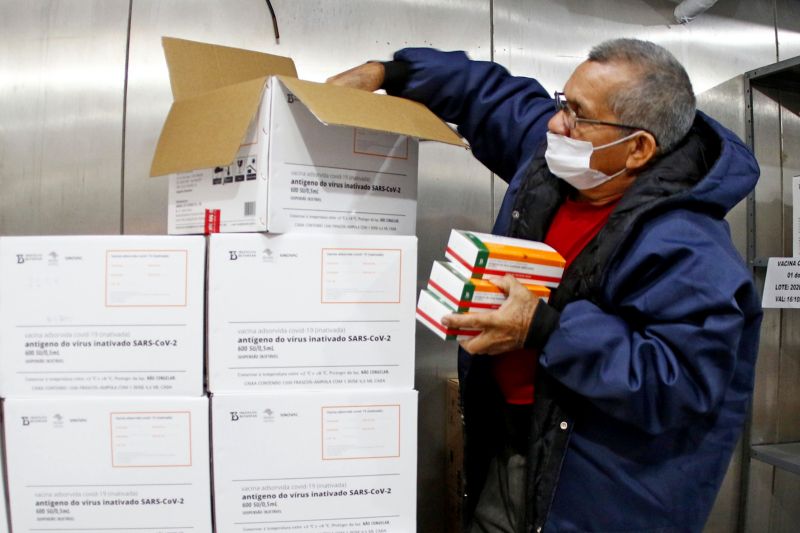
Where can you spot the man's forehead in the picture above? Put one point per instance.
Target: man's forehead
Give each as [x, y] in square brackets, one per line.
[590, 84]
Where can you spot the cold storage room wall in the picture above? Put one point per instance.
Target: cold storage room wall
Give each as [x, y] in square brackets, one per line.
[84, 91]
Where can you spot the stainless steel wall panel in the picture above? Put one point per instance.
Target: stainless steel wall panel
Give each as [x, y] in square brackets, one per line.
[769, 191]
[789, 377]
[769, 242]
[787, 18]
[785, 508]
[62, 72]
[725, 515]
[62, 79]
[759, 497]
[764, 428]
[549, 38]
[726, 104]
[790, 161]
[499, 188]
[454, 192]
[244, 24]
[324, 38]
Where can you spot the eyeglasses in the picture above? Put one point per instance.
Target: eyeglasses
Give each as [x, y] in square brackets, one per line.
[573, 119]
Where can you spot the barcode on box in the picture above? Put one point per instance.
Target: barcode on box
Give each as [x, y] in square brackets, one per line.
[249, 209]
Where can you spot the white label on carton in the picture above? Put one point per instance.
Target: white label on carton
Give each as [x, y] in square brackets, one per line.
[361, 276]
[151, 439]
[335, 462]
[146, 278]
[360, 432]
[782, 283]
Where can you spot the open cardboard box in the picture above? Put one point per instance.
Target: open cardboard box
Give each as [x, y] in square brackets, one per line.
[274, 153]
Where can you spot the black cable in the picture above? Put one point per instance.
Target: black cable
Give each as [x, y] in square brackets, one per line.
[274, 21]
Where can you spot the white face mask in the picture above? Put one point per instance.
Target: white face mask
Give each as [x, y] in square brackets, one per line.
[569, 159]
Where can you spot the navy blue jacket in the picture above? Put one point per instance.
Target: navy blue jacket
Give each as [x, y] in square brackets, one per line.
[647, 351]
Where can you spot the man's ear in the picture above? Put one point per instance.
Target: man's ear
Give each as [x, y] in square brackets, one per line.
[643, 149]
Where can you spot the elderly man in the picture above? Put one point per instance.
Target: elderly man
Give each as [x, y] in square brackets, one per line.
[617, 405]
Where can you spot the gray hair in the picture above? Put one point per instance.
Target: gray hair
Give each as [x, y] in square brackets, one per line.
[660, 100]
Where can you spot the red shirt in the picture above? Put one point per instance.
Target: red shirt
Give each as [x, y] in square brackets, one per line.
[574, 225]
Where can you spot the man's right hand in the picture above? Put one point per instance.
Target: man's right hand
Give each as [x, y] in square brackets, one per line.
[367, 77]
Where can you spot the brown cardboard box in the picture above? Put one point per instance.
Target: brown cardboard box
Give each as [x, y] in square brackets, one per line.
[455, 458]
[217, 90]
[275, 153]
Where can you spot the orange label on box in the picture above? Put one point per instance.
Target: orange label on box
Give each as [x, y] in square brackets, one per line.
[151, 439]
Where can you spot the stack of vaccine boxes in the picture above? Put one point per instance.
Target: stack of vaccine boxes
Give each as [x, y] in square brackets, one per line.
[311, 365]
[310, 327]
[457, 285]
[303, 337]
[101, 371]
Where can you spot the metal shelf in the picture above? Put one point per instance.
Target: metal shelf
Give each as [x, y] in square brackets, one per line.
[784, 456]
[784, 75]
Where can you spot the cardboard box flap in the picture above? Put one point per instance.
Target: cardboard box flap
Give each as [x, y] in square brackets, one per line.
[196, 68]
[351, 107]
[207, 130]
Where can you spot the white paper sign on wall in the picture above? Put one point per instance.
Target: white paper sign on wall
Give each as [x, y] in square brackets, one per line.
[796, 216]
[782, 285]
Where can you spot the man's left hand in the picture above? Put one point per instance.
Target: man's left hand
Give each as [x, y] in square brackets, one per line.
[502, 330]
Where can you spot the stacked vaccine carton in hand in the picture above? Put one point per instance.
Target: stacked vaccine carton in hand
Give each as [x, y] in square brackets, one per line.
[458, 285]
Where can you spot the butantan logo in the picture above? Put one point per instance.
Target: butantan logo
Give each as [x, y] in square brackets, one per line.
[30, 420]
[36, 419]
[25, 258]
[234, 255]
[242, 415]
